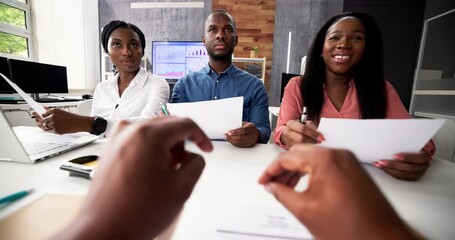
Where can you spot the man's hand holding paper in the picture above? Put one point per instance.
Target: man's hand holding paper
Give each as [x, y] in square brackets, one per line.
[245, 136]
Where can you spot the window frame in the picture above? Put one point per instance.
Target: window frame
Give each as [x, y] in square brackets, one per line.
[26, 33]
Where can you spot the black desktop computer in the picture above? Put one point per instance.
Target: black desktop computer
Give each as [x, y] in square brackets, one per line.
[39, 78]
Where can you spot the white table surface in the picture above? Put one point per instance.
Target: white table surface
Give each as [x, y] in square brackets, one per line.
[230, 178]
[46, 175]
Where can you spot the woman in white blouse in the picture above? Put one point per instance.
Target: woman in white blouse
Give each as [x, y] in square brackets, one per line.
[131, 94]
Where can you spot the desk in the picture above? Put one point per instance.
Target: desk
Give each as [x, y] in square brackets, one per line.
[46, 175]
[24, 106]
[19, 114]
[230, 177]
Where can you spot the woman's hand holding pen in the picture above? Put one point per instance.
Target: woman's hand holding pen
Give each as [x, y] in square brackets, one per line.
[297, 132]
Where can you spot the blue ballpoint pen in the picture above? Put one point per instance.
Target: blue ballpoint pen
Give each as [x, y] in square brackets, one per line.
[15, 196]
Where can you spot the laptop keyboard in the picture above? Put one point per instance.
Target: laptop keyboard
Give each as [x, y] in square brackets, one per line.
[33, 148]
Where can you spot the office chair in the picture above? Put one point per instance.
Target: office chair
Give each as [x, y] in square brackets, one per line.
[84, 107]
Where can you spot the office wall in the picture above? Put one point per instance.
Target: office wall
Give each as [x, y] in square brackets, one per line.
[303, 18]
[67, 34]
[157, 24]
[436, 7]
[401, 26]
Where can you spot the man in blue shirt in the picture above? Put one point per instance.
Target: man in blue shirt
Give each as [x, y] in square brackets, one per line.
[221, 79]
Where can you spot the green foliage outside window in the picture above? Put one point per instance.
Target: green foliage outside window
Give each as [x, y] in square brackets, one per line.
[9, 43]
[13, 45]
[12, 16]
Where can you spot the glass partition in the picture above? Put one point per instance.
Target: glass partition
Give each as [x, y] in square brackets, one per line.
[434, 81]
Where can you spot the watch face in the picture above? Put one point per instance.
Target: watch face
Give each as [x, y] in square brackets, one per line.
[99, 125]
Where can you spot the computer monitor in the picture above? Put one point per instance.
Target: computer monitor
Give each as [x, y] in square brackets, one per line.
[174, 59]
[4, 69]
[35, 78]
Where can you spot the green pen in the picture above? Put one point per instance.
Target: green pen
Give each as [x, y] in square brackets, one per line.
[164, 109]
[15, 196]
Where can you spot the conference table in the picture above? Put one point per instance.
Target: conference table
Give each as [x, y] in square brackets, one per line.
[228, 203]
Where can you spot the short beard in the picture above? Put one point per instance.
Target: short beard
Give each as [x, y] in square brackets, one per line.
[224, 57]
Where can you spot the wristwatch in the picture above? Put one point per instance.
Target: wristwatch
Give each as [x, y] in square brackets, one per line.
[99, 125]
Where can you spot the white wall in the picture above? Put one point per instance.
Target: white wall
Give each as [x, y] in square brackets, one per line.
[67, 34]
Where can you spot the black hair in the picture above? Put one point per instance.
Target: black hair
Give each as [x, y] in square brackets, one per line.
[368, 73]
[114, 24]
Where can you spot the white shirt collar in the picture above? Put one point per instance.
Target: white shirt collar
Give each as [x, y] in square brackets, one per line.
[140, 79]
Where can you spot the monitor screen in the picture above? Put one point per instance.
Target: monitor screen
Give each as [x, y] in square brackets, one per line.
[33, 77]
[4, 69]
[174, 59]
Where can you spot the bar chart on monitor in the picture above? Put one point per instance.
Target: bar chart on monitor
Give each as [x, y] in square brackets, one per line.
[196, 59]
[174, 59]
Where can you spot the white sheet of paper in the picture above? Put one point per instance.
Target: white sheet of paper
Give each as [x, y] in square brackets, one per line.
[214, 117]
[32, 103]
[258, 221]
[239, 221]
[373, 140]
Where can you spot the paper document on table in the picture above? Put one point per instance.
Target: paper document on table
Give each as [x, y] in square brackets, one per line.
[258, 221]
[32, 103]
[372, 140]
[239, 221]
[214, 117]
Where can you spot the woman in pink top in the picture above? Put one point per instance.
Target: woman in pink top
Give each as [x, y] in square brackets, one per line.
[344, 79]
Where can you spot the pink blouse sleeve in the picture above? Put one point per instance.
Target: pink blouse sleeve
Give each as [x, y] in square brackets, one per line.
[396, 110]
[291, 107]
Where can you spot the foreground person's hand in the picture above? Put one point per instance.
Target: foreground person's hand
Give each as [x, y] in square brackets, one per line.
[341, 201]
[144, 177]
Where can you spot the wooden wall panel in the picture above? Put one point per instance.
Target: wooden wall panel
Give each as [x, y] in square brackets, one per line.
[255, 21]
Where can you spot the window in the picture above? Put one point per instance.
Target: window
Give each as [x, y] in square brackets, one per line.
[16, 28]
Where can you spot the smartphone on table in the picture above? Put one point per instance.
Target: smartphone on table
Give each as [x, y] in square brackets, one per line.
[81, 166]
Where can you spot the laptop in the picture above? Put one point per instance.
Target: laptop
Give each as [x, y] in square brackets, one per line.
[31, 144]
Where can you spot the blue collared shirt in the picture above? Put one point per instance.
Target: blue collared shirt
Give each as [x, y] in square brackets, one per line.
[206, 84]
